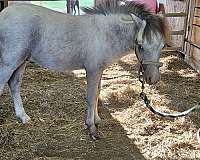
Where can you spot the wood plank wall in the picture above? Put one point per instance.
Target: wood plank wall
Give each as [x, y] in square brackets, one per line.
[176, 15]
[192, 44]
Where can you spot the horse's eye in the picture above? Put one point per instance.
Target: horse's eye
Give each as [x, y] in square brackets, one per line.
[140, 47]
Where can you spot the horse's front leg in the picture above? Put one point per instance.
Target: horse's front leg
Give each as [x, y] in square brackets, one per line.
[93, 79]
[97, 119]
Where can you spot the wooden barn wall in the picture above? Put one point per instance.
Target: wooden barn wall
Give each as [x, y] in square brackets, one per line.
[192, 47]
[176, 23]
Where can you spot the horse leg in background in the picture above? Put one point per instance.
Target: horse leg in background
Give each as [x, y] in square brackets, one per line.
[93, 79]
[14, 84]
[77, 3]
[71, 11]
[74, 8]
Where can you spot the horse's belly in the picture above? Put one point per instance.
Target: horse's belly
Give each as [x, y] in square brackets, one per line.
[60, 65]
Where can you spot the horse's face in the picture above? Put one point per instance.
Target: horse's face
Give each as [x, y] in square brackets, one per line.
[149, 53]
[149, 40]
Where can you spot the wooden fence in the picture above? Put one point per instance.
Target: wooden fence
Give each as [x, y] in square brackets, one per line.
[192, 36]
[176, 15]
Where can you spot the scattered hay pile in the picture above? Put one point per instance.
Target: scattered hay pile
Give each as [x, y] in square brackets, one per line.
[56, 102]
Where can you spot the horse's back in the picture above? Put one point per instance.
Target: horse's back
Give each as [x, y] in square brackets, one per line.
[49, 37]
[59, 41]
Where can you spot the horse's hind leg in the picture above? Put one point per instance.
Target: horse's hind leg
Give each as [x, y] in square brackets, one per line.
[5, 73]
[14, 84]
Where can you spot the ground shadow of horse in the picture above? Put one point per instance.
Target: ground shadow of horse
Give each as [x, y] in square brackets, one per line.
[180, 84]
[56, 103]
[183, 85]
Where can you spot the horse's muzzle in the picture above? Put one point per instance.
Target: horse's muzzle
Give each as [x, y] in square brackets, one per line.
[151, 74]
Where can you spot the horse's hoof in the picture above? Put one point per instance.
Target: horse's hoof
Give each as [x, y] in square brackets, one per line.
[25, 119]
[93, 132]
[94, 136]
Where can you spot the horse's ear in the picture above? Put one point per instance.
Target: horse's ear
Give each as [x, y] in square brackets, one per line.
[141, 25]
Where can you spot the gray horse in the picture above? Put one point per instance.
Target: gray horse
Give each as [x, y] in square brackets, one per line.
[64, 42]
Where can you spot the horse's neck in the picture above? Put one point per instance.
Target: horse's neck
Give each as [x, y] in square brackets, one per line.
[123, 39]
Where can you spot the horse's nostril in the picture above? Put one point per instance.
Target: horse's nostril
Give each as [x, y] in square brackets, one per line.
[150, 79]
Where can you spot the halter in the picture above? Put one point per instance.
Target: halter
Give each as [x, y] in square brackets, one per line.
[142, 62]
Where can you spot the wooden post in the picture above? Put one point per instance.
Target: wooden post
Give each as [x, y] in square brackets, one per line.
[192, 45]
[177, 9]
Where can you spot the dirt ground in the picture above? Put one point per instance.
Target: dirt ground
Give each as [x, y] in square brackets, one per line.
[56, 103]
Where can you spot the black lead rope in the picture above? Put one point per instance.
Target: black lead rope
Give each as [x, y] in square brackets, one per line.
[147, 102]
[163, 114]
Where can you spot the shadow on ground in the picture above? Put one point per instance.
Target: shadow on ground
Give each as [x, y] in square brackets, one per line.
[180, 84]
[56, 103]
[182, 87]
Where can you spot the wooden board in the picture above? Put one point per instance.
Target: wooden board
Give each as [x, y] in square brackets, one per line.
[177, 9]
[192, 44]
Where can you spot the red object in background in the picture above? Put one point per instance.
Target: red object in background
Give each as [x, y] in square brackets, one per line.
[150, 4]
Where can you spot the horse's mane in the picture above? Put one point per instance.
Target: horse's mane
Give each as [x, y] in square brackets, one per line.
[154, 23]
